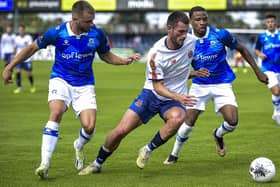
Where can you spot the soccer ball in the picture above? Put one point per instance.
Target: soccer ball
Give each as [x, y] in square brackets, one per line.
[262, 169]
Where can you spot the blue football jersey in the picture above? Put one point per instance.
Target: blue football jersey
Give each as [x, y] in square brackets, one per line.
[210, 53]
[74, 54]
[269, 44]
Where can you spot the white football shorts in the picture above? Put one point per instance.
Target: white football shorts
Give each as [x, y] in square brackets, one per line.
[220, 94]
[82, 97]
[273, 78]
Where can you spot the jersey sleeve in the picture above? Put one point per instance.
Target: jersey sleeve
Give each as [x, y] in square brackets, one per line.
[48, 38]
[228, 39]
[104, 43]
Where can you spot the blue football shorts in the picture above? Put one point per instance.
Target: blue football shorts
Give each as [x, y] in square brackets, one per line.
[147, 105]
[27, 66]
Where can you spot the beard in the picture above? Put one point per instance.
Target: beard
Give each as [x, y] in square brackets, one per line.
[83, 29]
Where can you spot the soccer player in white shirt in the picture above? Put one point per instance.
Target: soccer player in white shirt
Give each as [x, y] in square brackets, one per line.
[7, 45]
[22, 41]
[164, 93]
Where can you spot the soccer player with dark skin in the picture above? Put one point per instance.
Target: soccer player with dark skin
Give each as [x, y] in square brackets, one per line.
[210, 53]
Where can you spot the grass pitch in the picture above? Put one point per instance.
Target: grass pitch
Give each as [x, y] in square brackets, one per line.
[23, 117]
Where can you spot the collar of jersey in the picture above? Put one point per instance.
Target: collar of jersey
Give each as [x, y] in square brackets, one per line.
[205, 36]
[71, 33]
[271, 34]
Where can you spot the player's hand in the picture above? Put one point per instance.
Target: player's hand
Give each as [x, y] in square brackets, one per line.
[6, 75]
[202, 72]
[262, 77]
[187, 100]
[262, 56]
[131, 58]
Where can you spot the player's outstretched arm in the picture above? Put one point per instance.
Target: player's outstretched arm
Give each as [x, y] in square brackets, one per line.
[21, 57]
[111, 58]
[248, 57]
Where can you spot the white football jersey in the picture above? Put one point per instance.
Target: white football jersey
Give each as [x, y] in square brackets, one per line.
[171, 66]
[8, 43]
[22, 42]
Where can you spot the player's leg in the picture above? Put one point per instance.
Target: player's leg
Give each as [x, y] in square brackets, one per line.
[183, 135]
[7, 60]
[18, 79]
[174, 116]
[225, 104]
[273, 85]
[129, 122]
[86, 133]
[28, 69]
[50, 136]
[230, 115]
[192, 113]
[137, 113]
[59, 101]
[84, 104]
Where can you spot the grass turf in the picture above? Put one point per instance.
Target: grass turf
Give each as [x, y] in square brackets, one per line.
[23, 116]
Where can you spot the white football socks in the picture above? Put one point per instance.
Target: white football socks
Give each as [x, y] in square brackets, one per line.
[49, 141]
[181, 137]
[276, 104]
[83, 139]
[224, 129]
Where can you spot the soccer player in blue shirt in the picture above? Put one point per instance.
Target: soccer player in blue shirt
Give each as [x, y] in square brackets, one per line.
[72, 79]
[210, 53]
[268, 50]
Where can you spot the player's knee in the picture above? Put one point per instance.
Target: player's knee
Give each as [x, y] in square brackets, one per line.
[232, 122]
[176, 118]
[89, 129]
[56, 115]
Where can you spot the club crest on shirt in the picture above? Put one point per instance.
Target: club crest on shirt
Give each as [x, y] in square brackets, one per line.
[212, 43]
[173, 61]
[65, 42]
[190, 54]
[139, 103]
[91, 42]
